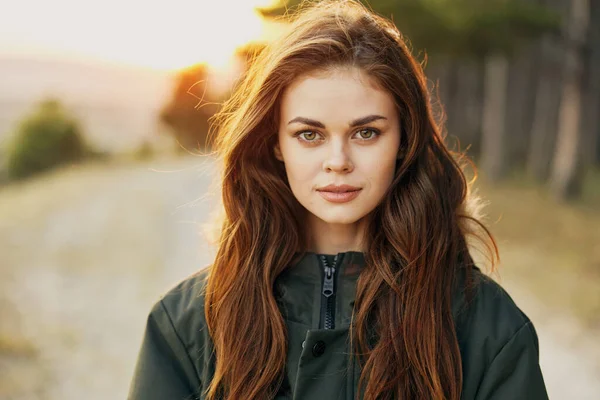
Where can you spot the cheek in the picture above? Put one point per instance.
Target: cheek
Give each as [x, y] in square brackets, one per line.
[381, 174]
[301, 172]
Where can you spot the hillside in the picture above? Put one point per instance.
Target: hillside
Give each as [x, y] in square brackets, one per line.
[108, 99]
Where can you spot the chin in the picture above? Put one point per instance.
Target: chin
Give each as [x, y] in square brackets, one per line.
[343, 217]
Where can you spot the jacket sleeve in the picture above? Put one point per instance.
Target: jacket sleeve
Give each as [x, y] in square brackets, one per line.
[164, 370]
[515, 372]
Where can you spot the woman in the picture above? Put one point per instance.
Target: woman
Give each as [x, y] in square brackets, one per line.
[342, 270]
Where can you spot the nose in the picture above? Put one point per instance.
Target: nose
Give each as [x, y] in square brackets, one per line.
[338, 159]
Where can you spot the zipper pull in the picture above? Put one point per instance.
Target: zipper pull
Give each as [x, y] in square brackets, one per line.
[328, 281]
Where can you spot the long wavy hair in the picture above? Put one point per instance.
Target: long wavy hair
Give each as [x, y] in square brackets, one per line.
[416, 238]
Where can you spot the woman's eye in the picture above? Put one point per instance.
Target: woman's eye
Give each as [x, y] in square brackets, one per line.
[313, 136]
[367, 134]
[307, 136]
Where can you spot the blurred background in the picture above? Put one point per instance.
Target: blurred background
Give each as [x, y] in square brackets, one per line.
[106, 173]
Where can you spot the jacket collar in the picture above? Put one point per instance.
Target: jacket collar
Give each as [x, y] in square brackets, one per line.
[349, 265]
[298, 288]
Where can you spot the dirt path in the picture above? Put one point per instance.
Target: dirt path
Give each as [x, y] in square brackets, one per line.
[569, 355]
[86, 253]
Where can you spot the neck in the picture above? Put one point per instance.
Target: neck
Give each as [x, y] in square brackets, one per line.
[326, 238]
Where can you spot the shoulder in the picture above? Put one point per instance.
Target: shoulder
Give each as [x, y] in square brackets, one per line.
[489, 325]
[187, 296]
[479, 298]
[183, 305]
[487, 319]
[176, 353]
[179, 314]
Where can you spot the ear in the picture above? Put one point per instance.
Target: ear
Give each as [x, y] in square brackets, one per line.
[277, 152]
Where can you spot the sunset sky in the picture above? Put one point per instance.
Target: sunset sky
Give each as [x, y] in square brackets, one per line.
[162, 34]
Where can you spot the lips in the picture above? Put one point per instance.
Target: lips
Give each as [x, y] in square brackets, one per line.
[339, 193]
[338, 188]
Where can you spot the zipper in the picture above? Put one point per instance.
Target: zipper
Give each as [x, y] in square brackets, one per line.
[327, 320]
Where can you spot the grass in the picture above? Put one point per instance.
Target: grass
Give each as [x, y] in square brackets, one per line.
[551, 248]
[19, 354]
[16, 345]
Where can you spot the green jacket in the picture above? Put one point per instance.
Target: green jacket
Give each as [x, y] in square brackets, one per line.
[498, 343]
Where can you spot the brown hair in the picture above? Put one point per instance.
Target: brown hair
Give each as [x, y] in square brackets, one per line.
[415, 240]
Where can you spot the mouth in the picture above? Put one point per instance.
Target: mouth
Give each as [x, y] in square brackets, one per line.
[339, 189]
[339, 195]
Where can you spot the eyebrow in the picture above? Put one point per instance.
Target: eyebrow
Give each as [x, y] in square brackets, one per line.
[353, 124]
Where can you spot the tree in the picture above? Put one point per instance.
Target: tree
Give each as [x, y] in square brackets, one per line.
[591, 103]
[188, 113]
[568, 163]
[457, 28]
[550, 73]
[189, 109]
[494, 152]
[45, 139]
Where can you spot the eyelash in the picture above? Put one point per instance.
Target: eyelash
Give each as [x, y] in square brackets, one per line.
[299, 133]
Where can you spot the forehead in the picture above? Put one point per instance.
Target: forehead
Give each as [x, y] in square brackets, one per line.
[337, 94]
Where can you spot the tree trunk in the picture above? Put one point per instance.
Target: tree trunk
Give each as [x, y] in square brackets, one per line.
[449, 101]
[567, 167]
[545, 120]
[547, 100]
[493, 143]
[468, 106]
[591, 102]
[522, 85]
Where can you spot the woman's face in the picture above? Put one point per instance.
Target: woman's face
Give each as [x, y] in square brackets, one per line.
[338, 128]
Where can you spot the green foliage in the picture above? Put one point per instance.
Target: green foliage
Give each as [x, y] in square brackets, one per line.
[45, 139]
[500, 26]
[144, 151]
[459, 28]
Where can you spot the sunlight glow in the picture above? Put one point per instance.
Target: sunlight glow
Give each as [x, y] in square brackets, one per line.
[157, 34]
